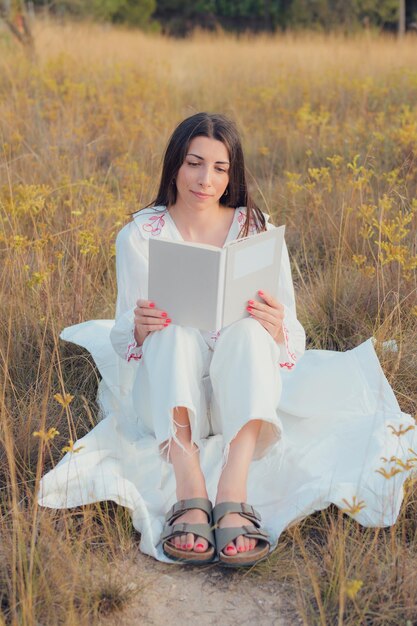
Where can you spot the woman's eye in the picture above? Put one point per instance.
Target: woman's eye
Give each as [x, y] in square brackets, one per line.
[190, 163]
[219, 169]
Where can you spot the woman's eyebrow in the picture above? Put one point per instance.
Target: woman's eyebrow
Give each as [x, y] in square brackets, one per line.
[202, 159]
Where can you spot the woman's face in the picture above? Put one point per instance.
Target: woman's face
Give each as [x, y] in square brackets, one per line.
[203, 177]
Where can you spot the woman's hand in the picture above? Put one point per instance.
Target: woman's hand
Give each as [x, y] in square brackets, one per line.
[270, 314]
[147, 319]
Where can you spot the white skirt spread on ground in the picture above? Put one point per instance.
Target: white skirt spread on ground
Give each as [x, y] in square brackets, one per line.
[345, 441]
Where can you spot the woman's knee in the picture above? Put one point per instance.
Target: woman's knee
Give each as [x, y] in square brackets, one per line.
[173, 335]
[247, 329]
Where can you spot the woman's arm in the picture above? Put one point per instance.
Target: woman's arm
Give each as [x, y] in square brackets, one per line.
[294, 341]
[131, 273]
[278, 315]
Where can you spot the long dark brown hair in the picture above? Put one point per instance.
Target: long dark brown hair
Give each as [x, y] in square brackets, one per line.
[213, 126]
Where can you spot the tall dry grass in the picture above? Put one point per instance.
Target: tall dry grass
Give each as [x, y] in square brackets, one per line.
[330, 133]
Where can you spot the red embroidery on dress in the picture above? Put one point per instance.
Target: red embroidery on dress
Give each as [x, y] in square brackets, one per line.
[155, 224]
[291, 355]
[215, 335]
[130, 354]
[241, 218]
[289, 366]
[287, 347]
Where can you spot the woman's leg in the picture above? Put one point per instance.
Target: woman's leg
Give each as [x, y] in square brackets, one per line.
[170, 402]
[189, 480]
[233, 479]
[245, 376]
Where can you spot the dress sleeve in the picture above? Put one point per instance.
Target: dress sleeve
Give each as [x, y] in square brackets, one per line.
[293, 346]
[131, 273]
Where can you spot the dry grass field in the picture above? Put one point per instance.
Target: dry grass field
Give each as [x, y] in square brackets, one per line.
[330, 133]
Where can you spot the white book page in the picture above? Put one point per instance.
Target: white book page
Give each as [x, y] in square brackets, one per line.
[184, 281]
[253, 263]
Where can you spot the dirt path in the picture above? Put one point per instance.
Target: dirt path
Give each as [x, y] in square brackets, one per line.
[203, 595]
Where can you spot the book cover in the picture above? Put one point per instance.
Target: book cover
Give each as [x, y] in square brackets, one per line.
[207, 287]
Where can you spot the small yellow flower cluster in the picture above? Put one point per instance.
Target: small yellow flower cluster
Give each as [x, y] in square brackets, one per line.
[293, 182]
[70, 447]
[354, 506]
[321, 175]
[352, 587]
[399, 465]
[17, 242]
[390, 228]
[64, 399]
[37, 279]
[46, 436]
[28, 200]
[88, 243]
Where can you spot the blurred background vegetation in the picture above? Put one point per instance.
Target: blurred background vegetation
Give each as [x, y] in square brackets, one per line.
[181, 17]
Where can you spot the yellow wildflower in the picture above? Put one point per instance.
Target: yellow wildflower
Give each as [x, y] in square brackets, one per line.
[400, 431]
[64, 399]
[392, 472]
[70, 447]
[352, 587]
[359, 259]
[353, 507]
[46, 436]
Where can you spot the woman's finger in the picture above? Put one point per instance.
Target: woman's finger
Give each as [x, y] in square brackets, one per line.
[269, 299]
[149, 304]
[267, 312]
[149, 313]
[151, 327]
[270, 319]
[266, 306]
[152, 321]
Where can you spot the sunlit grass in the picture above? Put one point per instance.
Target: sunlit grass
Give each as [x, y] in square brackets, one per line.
[330, 133]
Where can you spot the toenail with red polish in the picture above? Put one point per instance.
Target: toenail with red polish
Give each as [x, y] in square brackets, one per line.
[241, 549]
[199, 545]
[229, 548]
[189, 545]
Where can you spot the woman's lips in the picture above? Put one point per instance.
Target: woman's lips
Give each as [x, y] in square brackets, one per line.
[200, 195]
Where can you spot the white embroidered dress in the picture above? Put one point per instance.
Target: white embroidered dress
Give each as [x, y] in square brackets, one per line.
[340, 422]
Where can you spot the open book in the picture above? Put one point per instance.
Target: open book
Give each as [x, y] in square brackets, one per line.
[208, 288]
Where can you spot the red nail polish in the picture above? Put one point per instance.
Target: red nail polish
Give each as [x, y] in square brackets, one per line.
[152, 304]
[229, 548]
[165, 325]
[261, 293]
[241, 549]
[168, 320]
[199, 545]
[251, 301]
[189, 545]
[249, 308]
[164, 314]
[183, 546]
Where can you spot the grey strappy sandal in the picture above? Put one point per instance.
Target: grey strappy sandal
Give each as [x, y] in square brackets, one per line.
[226, 535]
[201, 530]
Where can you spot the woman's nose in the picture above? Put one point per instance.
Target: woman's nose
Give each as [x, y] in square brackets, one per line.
[205, 177]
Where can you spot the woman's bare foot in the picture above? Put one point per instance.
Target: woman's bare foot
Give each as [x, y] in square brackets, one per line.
[190, 541]
[232, 484]
[241, 543]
